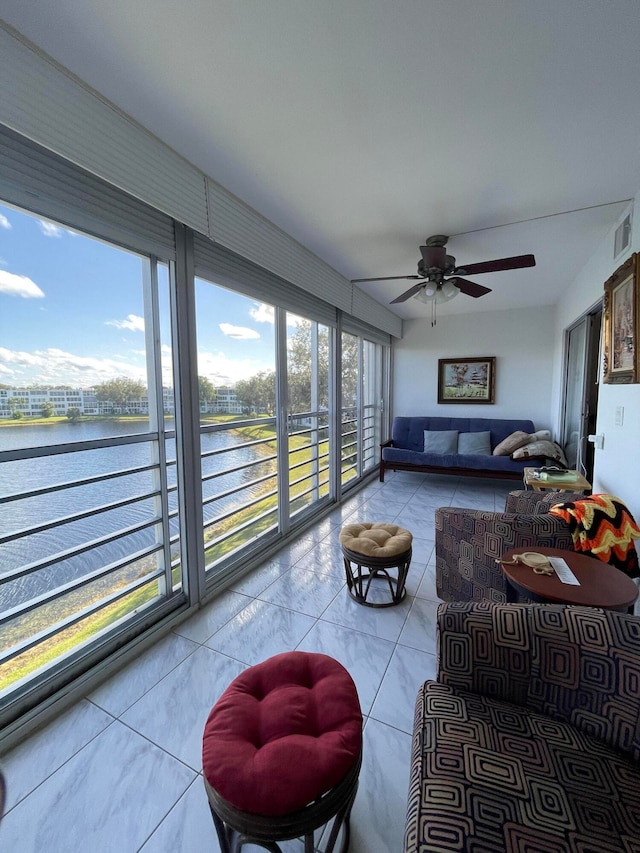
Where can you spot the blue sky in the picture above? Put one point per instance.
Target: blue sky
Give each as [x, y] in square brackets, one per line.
[71, 312]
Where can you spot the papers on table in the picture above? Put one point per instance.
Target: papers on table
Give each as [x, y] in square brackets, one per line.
[563, 571]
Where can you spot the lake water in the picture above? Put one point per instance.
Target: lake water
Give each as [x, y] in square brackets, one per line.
[28, 513]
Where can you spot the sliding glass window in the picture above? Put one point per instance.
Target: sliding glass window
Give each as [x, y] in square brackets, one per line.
[363, 370]
[309, 362]
[237, 396]
[88, 491]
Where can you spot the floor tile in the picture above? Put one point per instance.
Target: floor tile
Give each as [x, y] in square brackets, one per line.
[82, 782]
[257, 581]
[384, 622]
[109, 797]
[213, 616]
[328, 551]
[304, 591]
[379, 813]
[419, 630]
[396, 699]
[173, 714]
[30, 763]
[325, 558]
[423, 545]
[132, 682]
[363, 656]
[260, 631]
[188, 828]
[427, 588]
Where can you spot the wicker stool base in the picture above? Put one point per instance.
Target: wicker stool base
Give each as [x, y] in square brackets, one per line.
[236, 828]
[377, 568]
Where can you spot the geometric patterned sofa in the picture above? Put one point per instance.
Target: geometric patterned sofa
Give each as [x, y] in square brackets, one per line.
[468, 542]
[529, 740]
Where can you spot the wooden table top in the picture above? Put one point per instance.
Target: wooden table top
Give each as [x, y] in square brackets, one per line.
[601, 585]
[577, 483]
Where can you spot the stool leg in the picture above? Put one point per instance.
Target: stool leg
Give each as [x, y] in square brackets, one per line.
[342, 818]
[225, 833]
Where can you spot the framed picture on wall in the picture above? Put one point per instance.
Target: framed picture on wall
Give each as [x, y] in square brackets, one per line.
[621, 313]
[466, 380]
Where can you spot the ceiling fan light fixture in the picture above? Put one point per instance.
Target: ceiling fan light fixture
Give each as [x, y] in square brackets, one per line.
[448, 291]
[422, 296]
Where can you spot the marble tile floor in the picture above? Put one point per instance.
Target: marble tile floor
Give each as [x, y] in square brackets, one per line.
[121, 770]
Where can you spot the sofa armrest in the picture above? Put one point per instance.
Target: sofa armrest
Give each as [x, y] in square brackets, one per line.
[469, 541]
[579, 665]
[535, 503]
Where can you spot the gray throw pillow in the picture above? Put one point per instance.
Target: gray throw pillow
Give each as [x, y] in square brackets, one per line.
[440, 441]
[477, 443]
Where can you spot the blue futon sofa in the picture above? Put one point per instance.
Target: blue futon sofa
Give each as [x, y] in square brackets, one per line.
[405, 449]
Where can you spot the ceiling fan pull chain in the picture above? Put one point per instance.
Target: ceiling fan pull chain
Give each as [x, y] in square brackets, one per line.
[433, 313]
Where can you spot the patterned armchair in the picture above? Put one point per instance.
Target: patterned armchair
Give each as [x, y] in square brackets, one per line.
[530, 737]
[468, 542]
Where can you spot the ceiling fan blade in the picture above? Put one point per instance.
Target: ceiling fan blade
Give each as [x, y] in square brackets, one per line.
[433, 256]
[515, 263]
[470, 287]
[386, 278]
[407, 294]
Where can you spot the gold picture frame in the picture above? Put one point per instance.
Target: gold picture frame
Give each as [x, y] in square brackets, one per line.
[466, 380]
[621, 319]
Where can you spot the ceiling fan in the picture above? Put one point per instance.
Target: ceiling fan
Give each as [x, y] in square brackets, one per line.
[438, 278]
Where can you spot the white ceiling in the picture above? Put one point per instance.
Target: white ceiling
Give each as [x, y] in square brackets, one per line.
[362, 126]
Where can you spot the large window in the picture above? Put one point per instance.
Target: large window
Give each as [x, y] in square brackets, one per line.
[363, 366]
[157, 431]
[88, 522]
[307, 412]
[237, 398]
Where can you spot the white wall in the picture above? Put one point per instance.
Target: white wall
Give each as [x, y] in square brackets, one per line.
[617, 465]
[521, 341]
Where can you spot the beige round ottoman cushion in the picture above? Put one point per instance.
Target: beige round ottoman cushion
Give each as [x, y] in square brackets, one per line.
[376, 540]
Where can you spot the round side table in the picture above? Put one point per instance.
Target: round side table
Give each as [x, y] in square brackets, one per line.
[601, 585]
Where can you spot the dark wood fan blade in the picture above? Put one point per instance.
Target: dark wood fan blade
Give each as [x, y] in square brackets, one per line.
[515, 263]
[386, 278]
[470, 287]
[407, 294]
[433, 256]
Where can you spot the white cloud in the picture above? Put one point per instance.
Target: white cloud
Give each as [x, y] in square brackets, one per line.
[4, 222]
[50, 229]
[262, 313]
[222, 370]
[55, 366]
[133, 323]
[241, 333]
[6, 370]
[19, 285]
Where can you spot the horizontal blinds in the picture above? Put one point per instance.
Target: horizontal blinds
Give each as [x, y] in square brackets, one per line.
[47, 104]
[240, 228]
[353, 326]
[44, 183]
[221, 266]
[366, 309]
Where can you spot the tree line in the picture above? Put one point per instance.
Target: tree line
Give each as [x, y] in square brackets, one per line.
[256, 394]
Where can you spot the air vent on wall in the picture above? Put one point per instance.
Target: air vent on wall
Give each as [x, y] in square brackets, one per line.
[622, 238]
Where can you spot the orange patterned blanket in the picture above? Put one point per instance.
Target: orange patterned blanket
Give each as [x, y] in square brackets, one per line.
[603, 527]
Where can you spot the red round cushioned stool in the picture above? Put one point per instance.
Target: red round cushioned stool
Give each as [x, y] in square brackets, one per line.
[281, 752]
